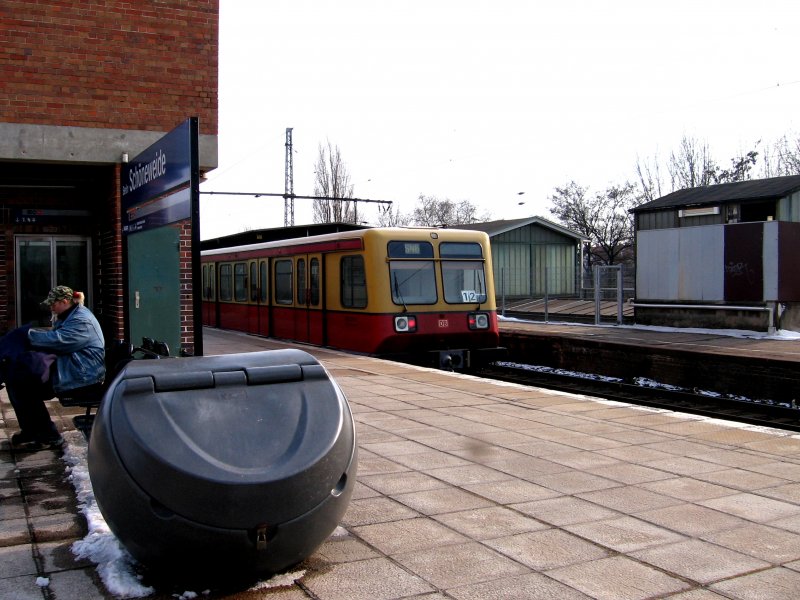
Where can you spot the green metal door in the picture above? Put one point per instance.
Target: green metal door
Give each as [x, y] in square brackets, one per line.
[154, 299]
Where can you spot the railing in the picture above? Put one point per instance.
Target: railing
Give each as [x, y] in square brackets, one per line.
[604, 283]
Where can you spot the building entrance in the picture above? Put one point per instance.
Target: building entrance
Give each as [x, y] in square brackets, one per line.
[43, 262]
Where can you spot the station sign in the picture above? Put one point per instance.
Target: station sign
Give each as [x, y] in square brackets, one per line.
[166, 209]
[162, 168]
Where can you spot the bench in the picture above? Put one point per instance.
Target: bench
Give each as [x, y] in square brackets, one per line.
[118, 354]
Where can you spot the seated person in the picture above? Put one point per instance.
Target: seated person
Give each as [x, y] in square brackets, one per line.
[68, 356]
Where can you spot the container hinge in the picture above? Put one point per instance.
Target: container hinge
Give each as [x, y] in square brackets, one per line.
[261, 538]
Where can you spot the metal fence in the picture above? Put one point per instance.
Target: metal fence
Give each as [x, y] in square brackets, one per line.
[608, 287]
[603, 280]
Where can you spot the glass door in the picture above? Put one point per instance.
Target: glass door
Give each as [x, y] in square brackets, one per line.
[46, 261]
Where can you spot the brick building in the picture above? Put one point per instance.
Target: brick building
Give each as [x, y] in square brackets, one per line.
[82, 85]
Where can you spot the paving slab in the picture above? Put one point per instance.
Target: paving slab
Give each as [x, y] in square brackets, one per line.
[470, 489]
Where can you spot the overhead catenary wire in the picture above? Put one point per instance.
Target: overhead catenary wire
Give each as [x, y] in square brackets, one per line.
[301, 197]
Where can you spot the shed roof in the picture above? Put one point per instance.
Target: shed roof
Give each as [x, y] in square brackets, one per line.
[739, 191]
[493, 228]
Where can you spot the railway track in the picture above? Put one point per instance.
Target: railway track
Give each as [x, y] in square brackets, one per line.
[755, 412]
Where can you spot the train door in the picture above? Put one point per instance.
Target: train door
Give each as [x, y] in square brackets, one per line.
[209, 293]
[309, 325]
[262, 301]
[253, 311]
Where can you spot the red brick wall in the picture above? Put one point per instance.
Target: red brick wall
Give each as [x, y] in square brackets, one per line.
[109, 267]
[187, 289]
[112, 64]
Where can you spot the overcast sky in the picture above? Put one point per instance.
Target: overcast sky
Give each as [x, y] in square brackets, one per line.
[481, 100]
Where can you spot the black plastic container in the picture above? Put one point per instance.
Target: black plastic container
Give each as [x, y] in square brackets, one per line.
[223, 466]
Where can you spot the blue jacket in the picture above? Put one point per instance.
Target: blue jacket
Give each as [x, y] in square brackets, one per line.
[78, 343]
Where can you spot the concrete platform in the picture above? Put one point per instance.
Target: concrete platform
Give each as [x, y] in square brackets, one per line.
[756, 367]
[469, 489]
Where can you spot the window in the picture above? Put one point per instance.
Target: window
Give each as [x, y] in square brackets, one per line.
[464, 280]
[283, 281]
[208, 281]
[225, 287]
[206, 293]
[758, 211]
[264, 279]
[45, 261]
[240, 282]
[253, 282]
[412, 278]
[460, 250]
[354, 282]
[314, 281]
[301, 281]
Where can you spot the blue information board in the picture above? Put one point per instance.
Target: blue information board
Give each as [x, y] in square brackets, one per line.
[162, 168]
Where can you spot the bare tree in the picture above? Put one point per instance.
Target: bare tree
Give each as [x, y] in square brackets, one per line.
[390, 216]
[332, 181]
[741, 167]
[432, 212]
[692, 165]
[603, 218]
[784, 157]
[649, 175]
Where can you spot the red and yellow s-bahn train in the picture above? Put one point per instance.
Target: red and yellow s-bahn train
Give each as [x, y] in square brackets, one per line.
[423, 295]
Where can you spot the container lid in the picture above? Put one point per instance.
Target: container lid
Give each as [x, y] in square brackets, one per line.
[232, 440]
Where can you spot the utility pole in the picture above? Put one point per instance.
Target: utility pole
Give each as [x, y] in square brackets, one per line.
[288, 195]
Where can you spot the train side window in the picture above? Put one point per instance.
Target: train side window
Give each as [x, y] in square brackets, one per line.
[283, 281]
[240, 282]
[205, 292]
[253, 282]
[464, 280]
[264, 279]
[353, 282]
[301, 281]
[225, 281]
[314, 267]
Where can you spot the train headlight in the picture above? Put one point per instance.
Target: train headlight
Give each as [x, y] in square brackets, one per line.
[478, 321]
[405, 324]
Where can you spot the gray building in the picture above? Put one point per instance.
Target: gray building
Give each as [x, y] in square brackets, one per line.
[720, 256]
[533, 256]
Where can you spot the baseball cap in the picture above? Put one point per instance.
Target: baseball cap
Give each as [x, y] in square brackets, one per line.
[60, 292]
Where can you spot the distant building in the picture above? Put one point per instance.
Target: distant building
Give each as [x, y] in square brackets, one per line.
[86, 87]
[533, 256]
[720, 256]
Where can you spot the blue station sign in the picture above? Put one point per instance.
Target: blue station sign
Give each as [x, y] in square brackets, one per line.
[163, 167]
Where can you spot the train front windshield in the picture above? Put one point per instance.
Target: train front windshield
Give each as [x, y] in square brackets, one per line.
[462, 271]
[412, 274]
[413, 279]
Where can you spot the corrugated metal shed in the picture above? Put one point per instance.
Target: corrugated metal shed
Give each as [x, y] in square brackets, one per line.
[739, 191]
[495, 228]
[733, 246]
[532, 256]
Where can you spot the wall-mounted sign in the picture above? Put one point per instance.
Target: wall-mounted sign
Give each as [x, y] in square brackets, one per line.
[162, 168]
[167, 209]
[23, 216]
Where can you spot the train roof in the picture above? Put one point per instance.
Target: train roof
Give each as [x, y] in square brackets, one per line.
[402, 233]
[257, 236]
